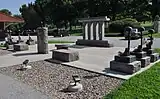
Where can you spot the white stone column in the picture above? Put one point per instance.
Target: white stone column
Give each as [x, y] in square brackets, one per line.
[103, 30]
[90, 31]
[85, 31]
[97, 31]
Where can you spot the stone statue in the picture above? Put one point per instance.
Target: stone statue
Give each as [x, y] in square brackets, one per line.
[138, 49]
[9, 39]
[149, 45]
[156, 24]
[30, 39]
[125, 53]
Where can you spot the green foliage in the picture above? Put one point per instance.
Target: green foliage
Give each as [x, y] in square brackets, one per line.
[157, 50]
[6, 11]
[58, 41]
[119, 25]
[64, 13]
[143, 86]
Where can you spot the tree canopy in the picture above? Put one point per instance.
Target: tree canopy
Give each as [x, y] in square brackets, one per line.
[64, 13]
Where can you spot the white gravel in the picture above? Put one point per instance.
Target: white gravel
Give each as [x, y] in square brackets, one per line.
[50, 79]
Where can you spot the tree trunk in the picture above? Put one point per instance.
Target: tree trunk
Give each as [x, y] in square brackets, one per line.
[70, 26]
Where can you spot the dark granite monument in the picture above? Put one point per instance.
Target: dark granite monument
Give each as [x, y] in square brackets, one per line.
[141, 55]
[148, 49]
[124, 61]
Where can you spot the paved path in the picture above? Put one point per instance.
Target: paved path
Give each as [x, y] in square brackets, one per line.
[12, 89]
[91, 58]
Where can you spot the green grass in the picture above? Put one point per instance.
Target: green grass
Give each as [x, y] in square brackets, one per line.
[143, 86]
[76, 34]
[58, 41]
[2, 46]
[156, 35]
[157, 50]
[146, 24]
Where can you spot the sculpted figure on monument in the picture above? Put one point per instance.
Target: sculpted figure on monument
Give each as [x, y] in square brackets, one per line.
[125, 53]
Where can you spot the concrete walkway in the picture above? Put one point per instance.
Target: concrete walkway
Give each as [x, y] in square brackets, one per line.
[91, 58]
[12, 89]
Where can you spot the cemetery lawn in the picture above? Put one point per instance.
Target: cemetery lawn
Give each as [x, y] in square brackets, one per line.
[143, 86]
[59, 41]
[2, 46]
[156, 35]
[157, 50]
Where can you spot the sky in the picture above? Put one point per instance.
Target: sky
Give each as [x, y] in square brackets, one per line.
[13, 5]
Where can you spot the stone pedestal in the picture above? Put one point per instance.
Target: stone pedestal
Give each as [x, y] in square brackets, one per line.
[65, 55]
[144, 61]
[21, 47]
[154, 57]
[9, 46]
[42, 40]
[125, 64]
[125, 59]
[94, 43]
[142, 56]
[128, 68]
[61, 47]
[75, 88]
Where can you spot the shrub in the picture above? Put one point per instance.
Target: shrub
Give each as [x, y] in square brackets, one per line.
[119, 25]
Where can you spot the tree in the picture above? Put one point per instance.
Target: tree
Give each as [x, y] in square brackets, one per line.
[17, 16]
[6, 11]
[32, 20]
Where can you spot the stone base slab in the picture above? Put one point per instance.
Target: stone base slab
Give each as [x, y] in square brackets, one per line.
[61, 46]
[94, 43]
[125, 59]
[21, 47]
[144, 61]
[154, 57]
[9, 46]
[128, 68]
[148, 51]
[65, 55]
[139, 54]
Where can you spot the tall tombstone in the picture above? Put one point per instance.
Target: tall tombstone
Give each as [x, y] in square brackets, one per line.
[42, 40]
[156, 24]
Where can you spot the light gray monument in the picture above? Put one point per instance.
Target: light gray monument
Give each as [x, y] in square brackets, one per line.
[156, 24]
[94, 31]
[42, 40]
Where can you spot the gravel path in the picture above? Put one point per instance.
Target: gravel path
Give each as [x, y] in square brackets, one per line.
[51, 79]
[4, 52]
